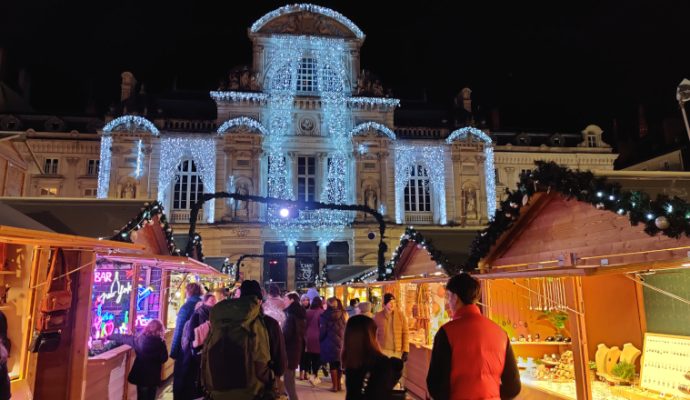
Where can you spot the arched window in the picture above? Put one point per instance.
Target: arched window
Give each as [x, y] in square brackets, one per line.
[187, 186]
[417, 194]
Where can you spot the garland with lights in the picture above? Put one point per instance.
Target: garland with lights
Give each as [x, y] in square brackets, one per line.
[145, 217]
[436, 255]
[669, 216]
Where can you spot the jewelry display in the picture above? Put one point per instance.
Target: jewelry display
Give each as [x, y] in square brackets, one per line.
[666, 364]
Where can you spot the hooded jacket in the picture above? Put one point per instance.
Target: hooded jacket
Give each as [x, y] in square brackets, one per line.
[293, 330]
[332, 332]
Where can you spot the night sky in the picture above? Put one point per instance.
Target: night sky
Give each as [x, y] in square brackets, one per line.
[548, 66]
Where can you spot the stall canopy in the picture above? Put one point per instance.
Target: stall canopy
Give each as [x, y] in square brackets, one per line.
[431, 252]
[338, 274]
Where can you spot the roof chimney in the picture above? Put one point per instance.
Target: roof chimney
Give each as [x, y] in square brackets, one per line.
[127, 86]
[467, 99]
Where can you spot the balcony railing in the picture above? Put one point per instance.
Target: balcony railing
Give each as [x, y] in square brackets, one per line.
[182, 216]
[419, 218]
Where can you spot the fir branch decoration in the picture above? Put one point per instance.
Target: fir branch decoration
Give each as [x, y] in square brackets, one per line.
[669, 216]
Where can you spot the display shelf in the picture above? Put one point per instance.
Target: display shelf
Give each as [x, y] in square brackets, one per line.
[541, 343]
[8, 272]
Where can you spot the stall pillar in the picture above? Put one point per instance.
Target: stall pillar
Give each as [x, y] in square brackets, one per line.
[576, 314]
[81, 334]
[290, 284]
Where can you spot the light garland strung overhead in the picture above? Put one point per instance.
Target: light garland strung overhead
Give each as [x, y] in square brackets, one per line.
[489, 168]
[238, 96]
[293, 8]
[104, 167]
[243, 121]
[140, 159]
[202, 151]
[373, 101]
[131, 123]
[375, 126]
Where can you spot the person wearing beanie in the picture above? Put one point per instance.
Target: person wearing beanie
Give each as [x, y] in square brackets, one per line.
[392, 333]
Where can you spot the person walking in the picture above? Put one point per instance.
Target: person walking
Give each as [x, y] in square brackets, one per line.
[191, 354]
[352, 309]
[151, 353]
[392, 332]
[313, 349]
[293, 331]
[365, 309]
[304, 302]
[471, 357]
[193, 291]
[274, 304]
[332, 329]
[369, 374]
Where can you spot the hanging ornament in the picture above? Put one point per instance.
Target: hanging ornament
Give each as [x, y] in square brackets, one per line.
[661, 222]
[600, 206]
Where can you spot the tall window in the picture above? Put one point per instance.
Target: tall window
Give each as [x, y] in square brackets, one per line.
[306, 75]
[188, 187]
[591, 141]
[306, 179]
[49, 191]
[50, 166]
[417, 195]
[92, 168]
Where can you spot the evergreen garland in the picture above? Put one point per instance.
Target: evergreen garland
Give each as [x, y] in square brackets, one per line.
[145, 217]
[670, 216]
[436, 255]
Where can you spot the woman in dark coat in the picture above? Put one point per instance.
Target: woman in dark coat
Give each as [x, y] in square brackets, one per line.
[191, 356]
[332, 330]
[6, 346]
[293, 330]
[151, 354]
[313, 350]
[369, 374]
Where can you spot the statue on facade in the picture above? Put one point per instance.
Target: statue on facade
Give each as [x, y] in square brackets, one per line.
[470, 203]
[129, 191]
[371, 198]
[240, 205]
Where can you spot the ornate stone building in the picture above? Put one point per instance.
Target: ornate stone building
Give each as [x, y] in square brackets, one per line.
[304, 122]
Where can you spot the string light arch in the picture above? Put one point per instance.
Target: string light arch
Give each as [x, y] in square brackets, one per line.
[294, 8]
[375, 126]
[242, 121]
[131, 123]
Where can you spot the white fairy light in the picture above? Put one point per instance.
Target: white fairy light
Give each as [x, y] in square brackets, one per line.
[104, 167]
[375, 126]
[218, 95]
[489, 169]
[432, 158]
[140, 159]
[242, 121]
[131, 123]
[293, 8]
[373, 101]
[202, 151]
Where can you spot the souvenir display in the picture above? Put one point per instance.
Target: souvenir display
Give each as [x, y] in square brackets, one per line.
[666, 364]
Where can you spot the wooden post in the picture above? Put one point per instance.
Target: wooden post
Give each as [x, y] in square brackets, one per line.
[81, 332]
[575, 301]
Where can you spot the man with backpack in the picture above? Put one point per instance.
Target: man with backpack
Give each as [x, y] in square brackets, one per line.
[236, 359]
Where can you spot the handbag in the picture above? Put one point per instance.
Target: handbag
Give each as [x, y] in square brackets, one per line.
[58, 296]
[45, 341]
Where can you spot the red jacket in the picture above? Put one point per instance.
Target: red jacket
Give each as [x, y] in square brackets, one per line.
[472, 359]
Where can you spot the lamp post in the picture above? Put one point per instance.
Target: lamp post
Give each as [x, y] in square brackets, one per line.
[683, 96]
[286, 205]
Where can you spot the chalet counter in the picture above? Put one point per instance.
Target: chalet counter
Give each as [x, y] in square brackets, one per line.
[106, 373]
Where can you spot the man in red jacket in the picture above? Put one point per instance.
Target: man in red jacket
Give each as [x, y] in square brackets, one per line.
[472, 357]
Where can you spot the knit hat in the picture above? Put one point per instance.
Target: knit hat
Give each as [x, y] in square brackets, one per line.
[304, 296]
[251, 288]
[387, 298]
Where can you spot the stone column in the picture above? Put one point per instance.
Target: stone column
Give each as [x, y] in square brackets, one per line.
[291, 272]
[71, 177]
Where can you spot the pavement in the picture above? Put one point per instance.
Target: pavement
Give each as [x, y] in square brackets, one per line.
[305, 391]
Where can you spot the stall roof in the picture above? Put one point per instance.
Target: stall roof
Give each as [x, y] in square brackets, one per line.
[338, 274]
[83, 217]
[11, 234]
[178, 264]
[453, 245]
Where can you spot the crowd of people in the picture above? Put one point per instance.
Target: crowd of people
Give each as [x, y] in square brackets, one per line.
[251, 345]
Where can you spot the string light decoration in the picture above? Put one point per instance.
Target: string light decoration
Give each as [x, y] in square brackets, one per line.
[242, 121]
[665, 215]
[436, 255]
[131, 124]
[140, 159]
[239, 96]
[489, 168]
[128, 232]
[431, 158]
[104, 167]
[374, 126]
[293, 8]
[202, 151]
[373, 102]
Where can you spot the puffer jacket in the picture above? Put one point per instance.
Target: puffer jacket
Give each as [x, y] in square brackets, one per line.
[332, 332]
[400, 342]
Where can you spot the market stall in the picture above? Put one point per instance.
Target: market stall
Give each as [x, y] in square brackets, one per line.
[567, 280]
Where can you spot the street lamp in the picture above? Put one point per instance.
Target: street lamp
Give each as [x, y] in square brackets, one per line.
[683, 96]
[284, 212]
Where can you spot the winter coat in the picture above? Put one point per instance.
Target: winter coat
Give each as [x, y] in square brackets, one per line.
[182, 317]
[151, 354]
[312, 335]
[332, 332]
[273, 307]
[277, 344]
[472, 359]
[400, 342]
[5, 390]
[384, 373]
[293, 330]
[200, 316]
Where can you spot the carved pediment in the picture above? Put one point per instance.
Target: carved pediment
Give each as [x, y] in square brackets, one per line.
[307, 23]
